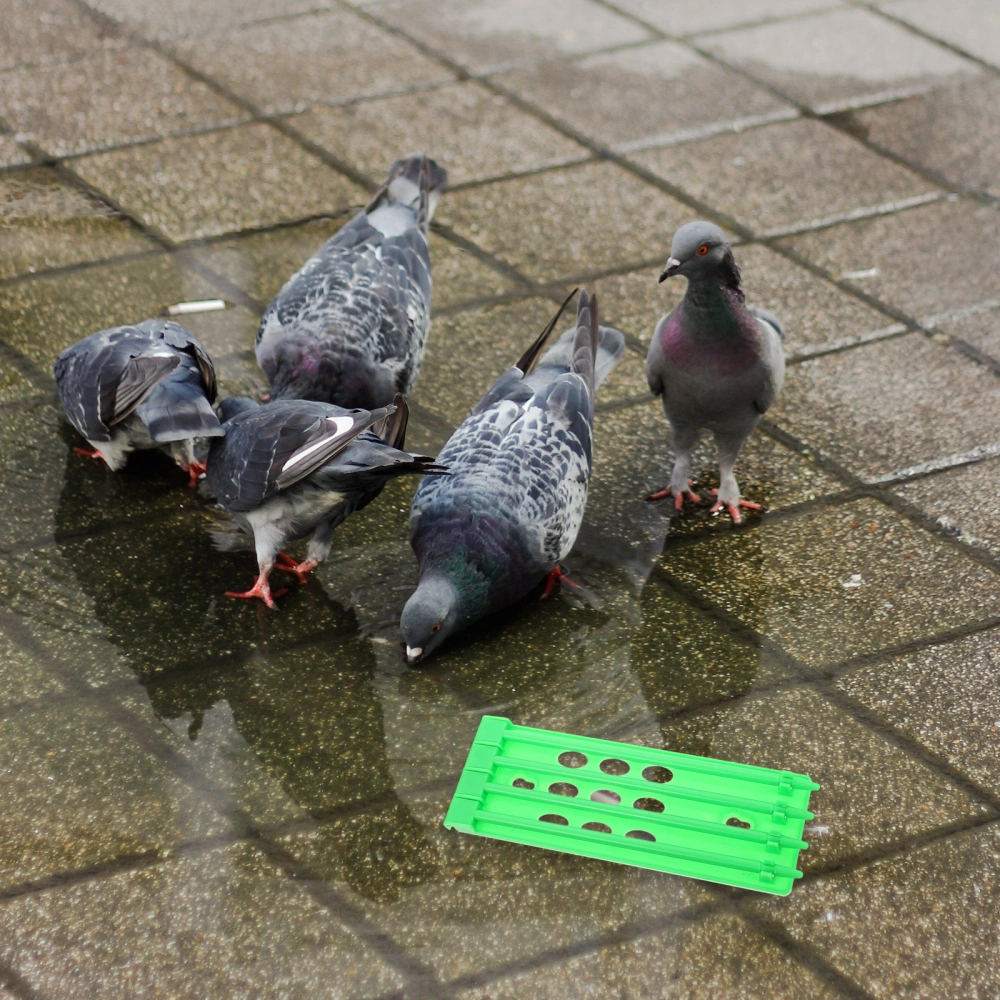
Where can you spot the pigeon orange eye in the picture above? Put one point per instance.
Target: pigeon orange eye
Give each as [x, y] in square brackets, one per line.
[437, 628]
[702, 250]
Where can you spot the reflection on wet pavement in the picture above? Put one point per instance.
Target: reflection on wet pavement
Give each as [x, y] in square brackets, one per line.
[209, 799]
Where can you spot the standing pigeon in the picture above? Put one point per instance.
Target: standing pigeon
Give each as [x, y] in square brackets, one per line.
[349, 327]
[138, 387]
[520, 469]
[294, 466]
[717, 362]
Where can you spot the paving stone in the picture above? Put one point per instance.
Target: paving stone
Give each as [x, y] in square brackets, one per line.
[199, 17]
[871, 793]
[11, 154]
[23, 677]
[260, 263]
[47, 31]
[812, 311]
[14, 387]
[978, 325]
[785, 175]
[473, 133]
[918, 925]
[482, 35]
[47, 223]
[796, 581]
[840, 58]
[78, 106]
[954, 131]
[568, 222]
[43, 316]
[717, 956]
[929, 259]
[330, 56]
[972, 25]
[206, 185]
[943, 697]
[225, 922]
[962, 500]
[890, 405]
[679, 18]
[468, 351]
[83, 791]
[668, 91]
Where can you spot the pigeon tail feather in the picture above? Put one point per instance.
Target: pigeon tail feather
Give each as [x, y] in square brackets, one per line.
[414, 181]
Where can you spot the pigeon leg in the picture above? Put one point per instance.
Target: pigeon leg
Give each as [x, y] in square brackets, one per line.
[90, 454]
[559, 575]
[286, 564]
[195, 471]
[728, 493]
[261, 588]
[319, 549]
[685, 440]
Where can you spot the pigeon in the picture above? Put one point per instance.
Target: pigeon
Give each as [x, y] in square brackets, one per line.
[140, 387]
[717, 362]
[520, 469]
[349, 327]
[294, 466]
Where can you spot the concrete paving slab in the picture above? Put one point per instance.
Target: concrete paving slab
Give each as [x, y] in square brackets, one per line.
[46, 223]
[837, 583]
[944, 698]
[670, 91]
[971, 25]
[78, 106]
[954, 131]
[963, 500]
[890, 405]
[720, 955]
[923, 923]
[12, 154]
[48, 31]
[929, 260]
[473, 133]
[207, 185]
[784, 175]
[286, 65]
[23, 677]
[840, 58]
[569, 222]
[481, 35]
[83, 792]
[222, 922]
[676, 17]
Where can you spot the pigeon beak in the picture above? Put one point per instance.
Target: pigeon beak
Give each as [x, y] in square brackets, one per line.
[413, 653]
[673, 265]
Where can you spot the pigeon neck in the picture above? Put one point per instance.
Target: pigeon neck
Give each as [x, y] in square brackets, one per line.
[714, 306]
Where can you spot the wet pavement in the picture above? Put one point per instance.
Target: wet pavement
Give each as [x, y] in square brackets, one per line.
[205, 799]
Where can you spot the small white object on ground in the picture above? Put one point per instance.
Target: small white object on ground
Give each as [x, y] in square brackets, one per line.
[202, 306]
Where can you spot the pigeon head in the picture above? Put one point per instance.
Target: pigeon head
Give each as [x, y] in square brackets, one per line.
[228, 408]
[699, 250]
[430, 616]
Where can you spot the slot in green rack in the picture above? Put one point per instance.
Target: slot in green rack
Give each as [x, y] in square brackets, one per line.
[710, 819]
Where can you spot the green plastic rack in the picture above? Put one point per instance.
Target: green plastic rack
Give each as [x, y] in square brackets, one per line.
[673, 812]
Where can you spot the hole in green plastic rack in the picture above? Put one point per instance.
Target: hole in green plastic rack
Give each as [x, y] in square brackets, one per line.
[661, 775]
[733, 821]
[597, 827]
[650, 805]
[564, 788]
[606, 795]
[521, 783]
[572, 758]
[615, 766]
[640, 835]
[554, 818]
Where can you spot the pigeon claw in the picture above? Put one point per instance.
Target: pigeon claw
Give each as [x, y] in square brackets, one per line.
[558, 575]
[89, 453]
[195, 471]
[262, 589]
[734, 508]
[679, 497]
[286, 564]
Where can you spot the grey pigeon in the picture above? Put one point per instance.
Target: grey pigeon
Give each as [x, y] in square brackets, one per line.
[139, 387]
[520, 469]
[293, 466]
[717, 362]
[350, 326]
